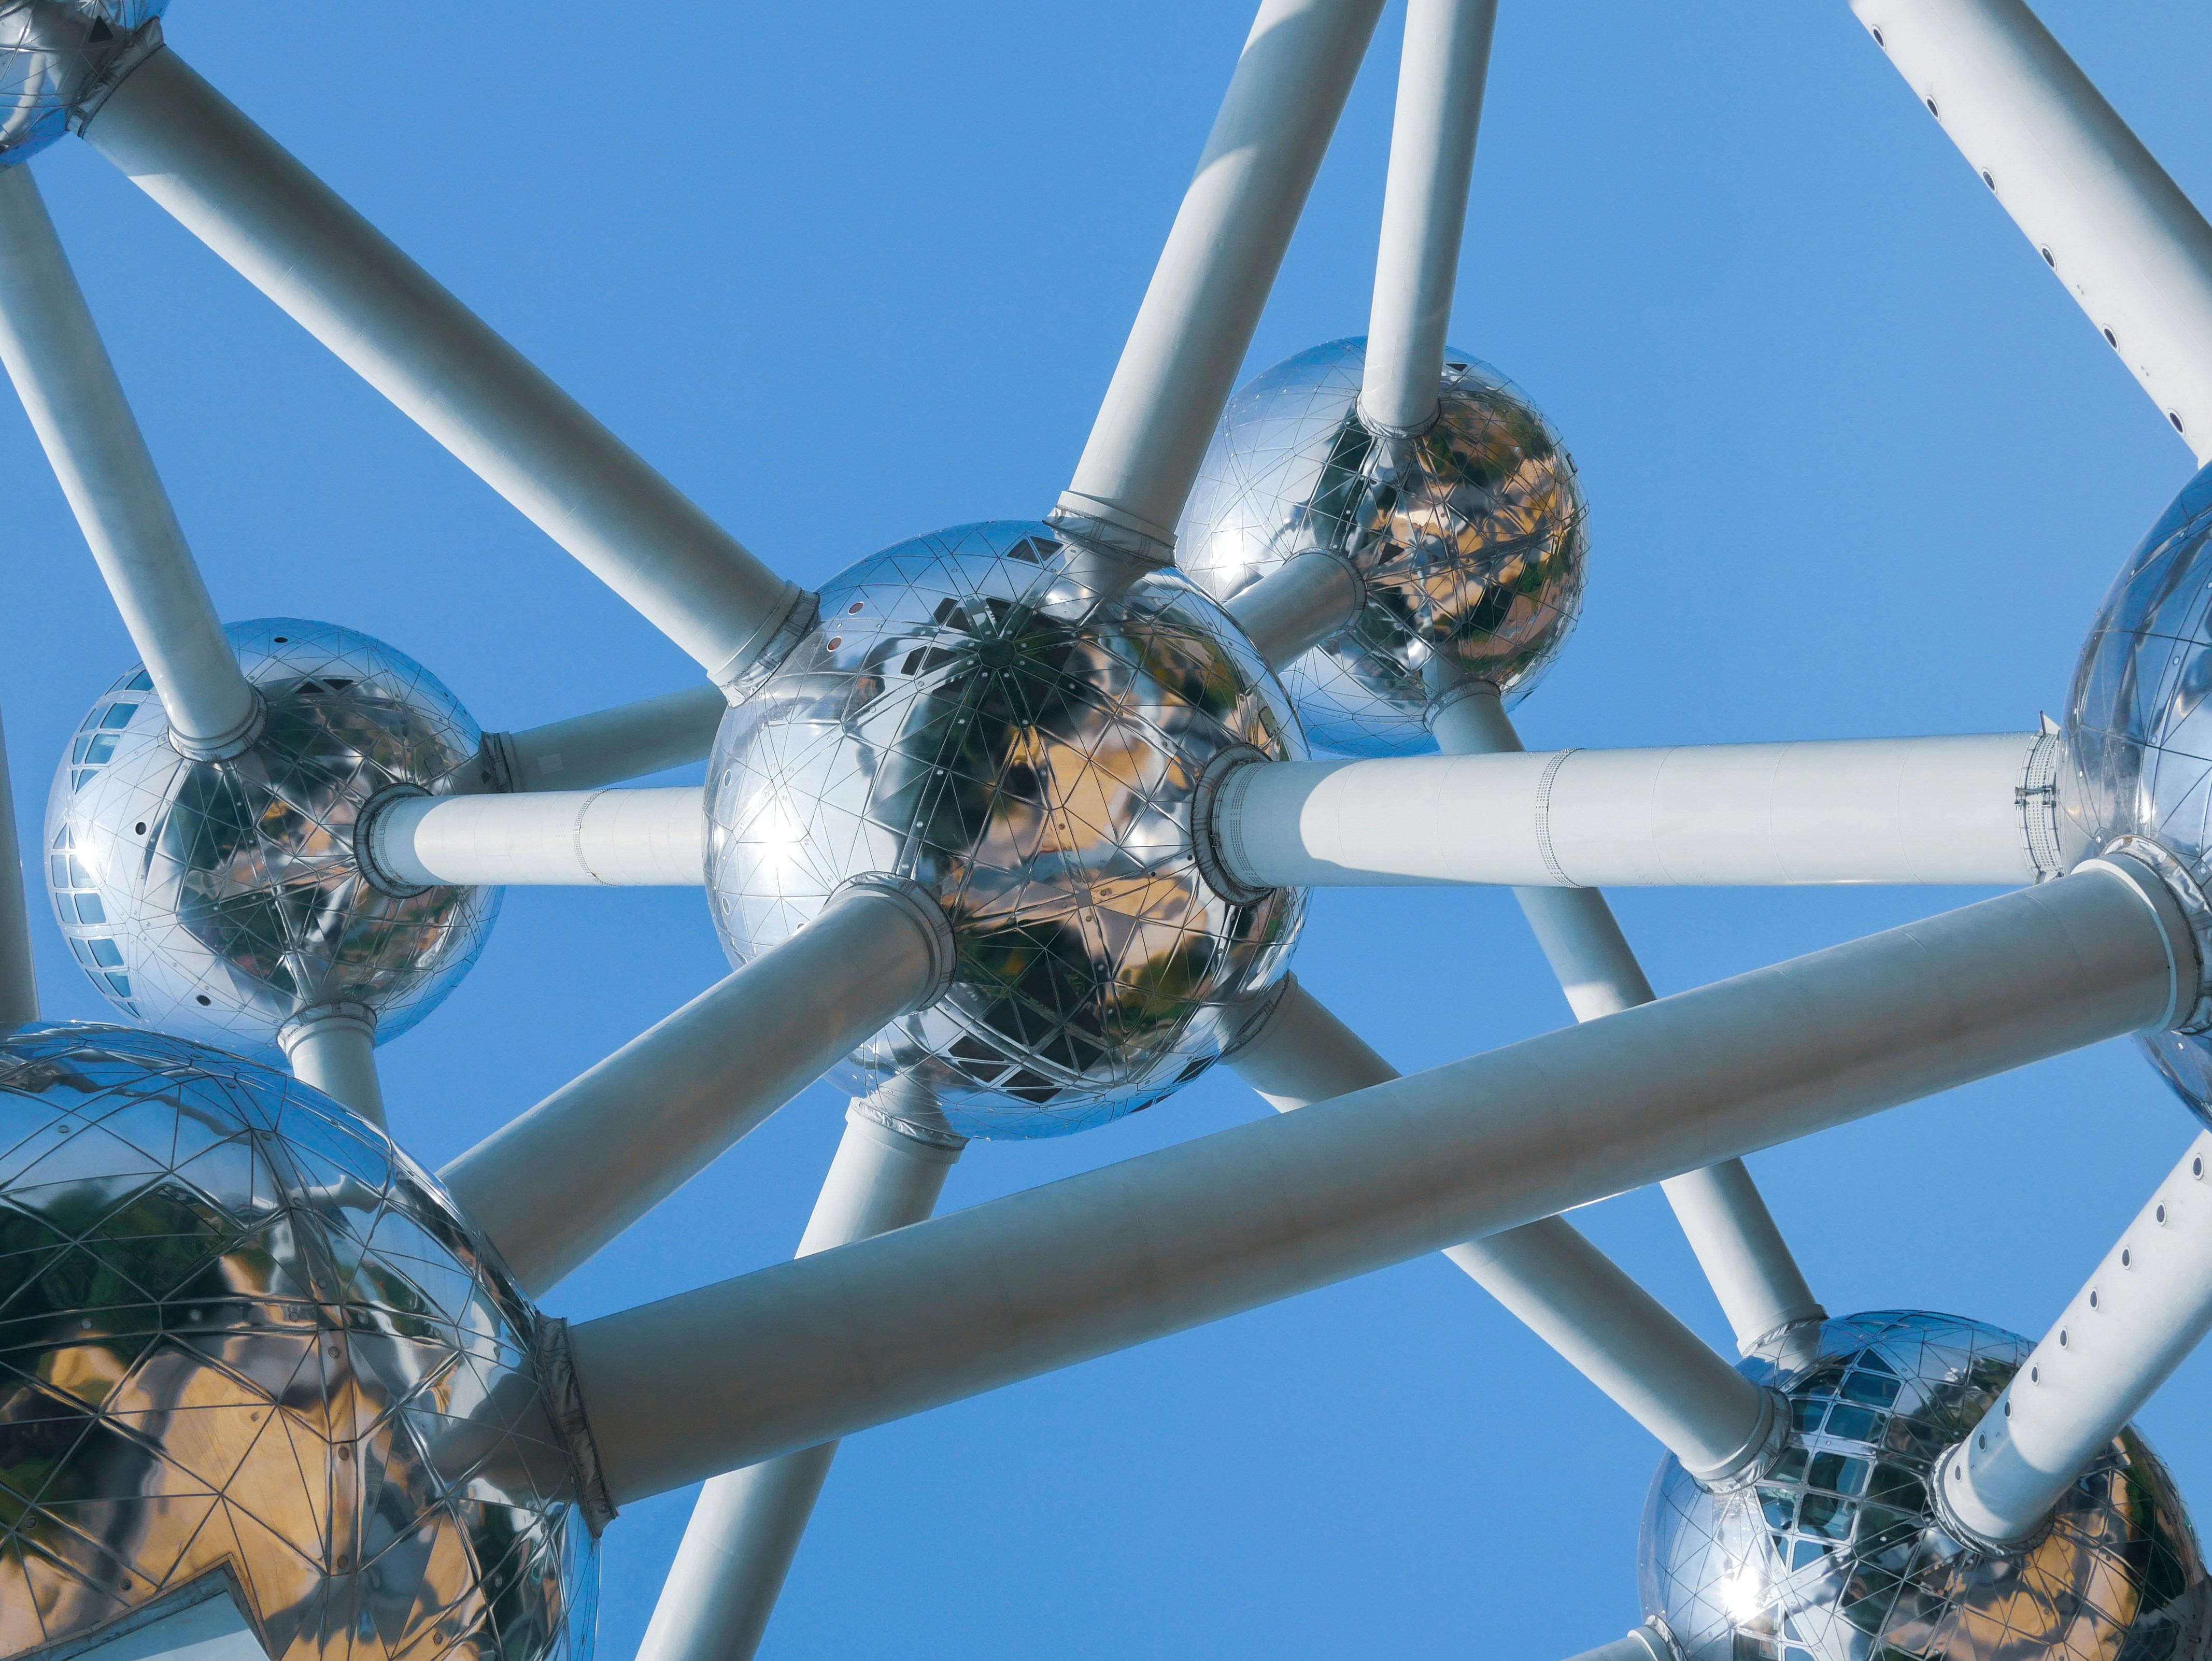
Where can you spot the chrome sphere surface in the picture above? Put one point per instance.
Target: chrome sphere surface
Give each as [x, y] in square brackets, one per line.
[1835, 1555]
[2139, 732]
[982, 713]
[1471, 537]
[56, 54]
[244, 1333]
[219, 899]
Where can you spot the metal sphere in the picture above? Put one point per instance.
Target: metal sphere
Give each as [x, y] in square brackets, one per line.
[218, 899]
[982, 713]
[1471, 537]
[1835, 1555]
[2139, 738]
[248, 1336]
[56, 54]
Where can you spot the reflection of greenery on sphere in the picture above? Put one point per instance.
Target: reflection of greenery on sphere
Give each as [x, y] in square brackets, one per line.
[1835, 1555]
[241, 1334]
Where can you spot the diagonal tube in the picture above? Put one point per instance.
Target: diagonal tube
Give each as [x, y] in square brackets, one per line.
[1196, 322]
[610, 745]
[1573, 1296]
[745, 1528]
[2146, 1306]
[1298, 606]
[554, 1185]
[1980, 809]
[740, 1371]
[19, 977]
[2132, 250]
[1445, 63]
[608, 839]
[68, 385]
[1745, 1258]
[289, 234]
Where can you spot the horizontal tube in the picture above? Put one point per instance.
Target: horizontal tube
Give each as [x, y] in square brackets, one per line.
[610, 745]
[553, 1186]
[613, 838]
[803, 1351]
[1936, 810]
[291, 236]
[2146, 1306]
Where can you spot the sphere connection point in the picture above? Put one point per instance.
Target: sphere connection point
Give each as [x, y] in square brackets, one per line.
[219, 899]
[59, 57]
[1471, 537]
[1837, 1553]
[252, 1336]
[2137, 734]
[1018, 725]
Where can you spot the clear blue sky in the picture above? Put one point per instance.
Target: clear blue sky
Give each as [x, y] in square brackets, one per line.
[1857, 466]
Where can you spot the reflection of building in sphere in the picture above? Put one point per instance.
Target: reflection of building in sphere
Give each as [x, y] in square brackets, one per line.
[219, 898]
[56, 54]
[1471, 537]
[975, 714]
[2139, 733]
[1835, 1556]
[249, 1334]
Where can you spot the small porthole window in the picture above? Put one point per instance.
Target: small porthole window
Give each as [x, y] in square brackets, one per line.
[2127, 1258]
[2007, 1407]
[2093, 1300]
[284, 640]
[1932, 110]
[2176, 419]
[140, 827]
[202, 999]
[2035, 1375]
[2196, 1167]
[1986, 179]
[2161, 1214]
[2062, 1338]
[2047, 258]
[2110, 339]
[1876, 32]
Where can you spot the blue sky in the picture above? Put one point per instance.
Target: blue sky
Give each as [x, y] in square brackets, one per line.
[1857, 466]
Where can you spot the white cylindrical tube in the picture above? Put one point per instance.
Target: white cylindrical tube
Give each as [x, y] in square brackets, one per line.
[1933, 810]
[2131, 249]
[1441, 73]
[610, 745]
[289, 234]
[611, 838]
[2146, 1306]
[745, 1528]
[332, 1048]
[1196, 322]
[553, 1186]
[62, 372]
[1565, 1290]
[798, 1354]
[1647, 1643]
[1298, 606]
[18, 976]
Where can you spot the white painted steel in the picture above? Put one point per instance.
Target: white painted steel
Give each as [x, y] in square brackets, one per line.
[1932, 810]
[1440, 72]
[612, 838]
[745, 1528]
[333, 1048]
[798, 1354]
[289, 234]
[1747, 1262]
[554, 1185]
[610, 745]
[2146, 1306]
[1646, 1643]
[1196, 322]
[1565, 1290]
[18, 976]
[2131, 249]
[1298, 606]
[63, 374]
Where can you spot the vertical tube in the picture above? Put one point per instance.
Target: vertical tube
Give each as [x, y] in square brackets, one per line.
[333, 1048]
[289, 234]
[19, 978]
[1761, 1289]
[68, 385]
[1196, 321]
[2146, 1306]
[745, 1528]
[2131, 249]
[1445, 61]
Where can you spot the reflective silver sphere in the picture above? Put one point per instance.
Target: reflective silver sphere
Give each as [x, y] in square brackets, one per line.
[980, 711]
[2139, 733]
[1471, 537]
[1835, 1556]
[245, 1333]
[219, 898]
[56, 54]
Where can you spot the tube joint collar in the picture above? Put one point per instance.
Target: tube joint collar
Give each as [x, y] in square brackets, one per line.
[1107, 524]
[1215, 850]
[225, 746]
[2183, 914]
[1761, 1451]
[564, 1405]
[922, 909]
[1961, 1515]
[747, 669]
[365, 826]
